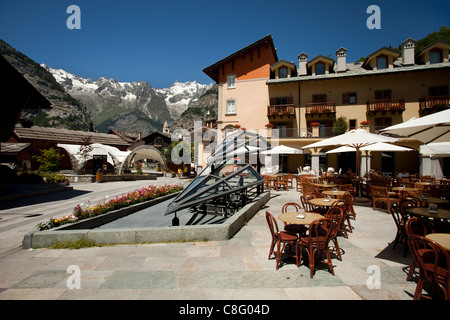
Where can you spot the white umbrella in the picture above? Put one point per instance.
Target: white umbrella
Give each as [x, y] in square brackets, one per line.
[379, 146]
[356, 138]
[282, 149]
[432, 128]
[437, 149]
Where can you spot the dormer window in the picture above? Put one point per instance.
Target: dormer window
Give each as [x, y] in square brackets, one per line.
[283, 72]
[435, 56]
[320, 68]
[382, 62]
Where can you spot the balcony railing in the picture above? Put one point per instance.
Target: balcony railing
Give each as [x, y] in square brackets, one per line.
[320, 107]
[432, 102]
[281, 110]
[395, 104]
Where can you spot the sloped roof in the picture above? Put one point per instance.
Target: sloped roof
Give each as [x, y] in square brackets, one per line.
[212, 70]
[67, 136]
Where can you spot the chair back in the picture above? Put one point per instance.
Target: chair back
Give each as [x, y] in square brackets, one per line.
[320, 232]
[379, 192]
[432, 259]
[273, 226]
[345, 187]
[288, 205]
[399, 215]
[336, 214]
[418, 227]
[309, 207]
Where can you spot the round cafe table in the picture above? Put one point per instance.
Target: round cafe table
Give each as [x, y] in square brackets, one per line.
[420, 211]
[334, 193]
[322, 202]
[434, 200]
[397, 189]
[291, 217]
[443, 239]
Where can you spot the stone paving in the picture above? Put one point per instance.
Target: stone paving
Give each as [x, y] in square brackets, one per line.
[221, 270]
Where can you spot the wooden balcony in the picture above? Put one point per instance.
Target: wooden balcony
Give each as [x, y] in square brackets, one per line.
[432, 104]
[384, 105]
[320, 108]
[281, 110]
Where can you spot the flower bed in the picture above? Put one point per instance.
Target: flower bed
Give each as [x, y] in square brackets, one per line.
[81, 212]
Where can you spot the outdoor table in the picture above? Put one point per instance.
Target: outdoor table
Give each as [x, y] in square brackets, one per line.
[323, 202]
[443, 239]
[291, 217]
[325, 186]
[397, 189]
[334, 193]
[434, 200]
[420, 211]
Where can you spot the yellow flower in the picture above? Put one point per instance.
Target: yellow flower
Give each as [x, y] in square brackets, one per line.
[56, 221]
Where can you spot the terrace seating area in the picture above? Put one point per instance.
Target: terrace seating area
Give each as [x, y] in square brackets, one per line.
[325, 213]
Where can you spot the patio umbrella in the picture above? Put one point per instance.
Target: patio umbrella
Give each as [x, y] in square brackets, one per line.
[379, 146]
[282, 149]
[432, 128]
[356, 138]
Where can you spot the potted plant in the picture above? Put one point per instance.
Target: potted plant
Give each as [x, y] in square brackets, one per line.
[237, 126]
[269, 126]
[315, 124]
[365, 123]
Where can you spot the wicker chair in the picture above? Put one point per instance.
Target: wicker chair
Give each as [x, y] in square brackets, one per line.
[434, 265]
[400, 217]
[281, 240]
[293, 228]
[416, 227]
[336, 214]
[317, 241]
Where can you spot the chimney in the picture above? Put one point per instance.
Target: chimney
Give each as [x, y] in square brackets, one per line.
[408, 52]
[302, 60]
[341, 65]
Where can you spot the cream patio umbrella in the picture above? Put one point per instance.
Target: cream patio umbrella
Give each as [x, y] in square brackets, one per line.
[432, 128]
[282, 149]
[379, 146]
[356, 138]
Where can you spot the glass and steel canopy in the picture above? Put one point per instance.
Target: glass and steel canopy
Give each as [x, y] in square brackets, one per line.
[229, 181]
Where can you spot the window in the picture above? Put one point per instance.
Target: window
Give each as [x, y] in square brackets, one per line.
[282, 72]
[382, 94]
[352, 124]
[438, 91]
[231, 107]
[382, 62]
[231, 81]
[316, 98]
[349, 98]
[435, 56]
[381, 123]
[320, 68]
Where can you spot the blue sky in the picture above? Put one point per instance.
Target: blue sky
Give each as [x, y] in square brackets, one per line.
[164, 41]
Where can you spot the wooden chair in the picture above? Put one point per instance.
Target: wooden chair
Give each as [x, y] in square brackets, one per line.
[281, 240]
[347, 199]
[336, 214]
[400, 217]
[416, 227]
[307, 206]
[281, 181]
[298, 184]
[317, 241]
[381, 194]
[293, 228]
[290, 180]
[434, 265]
[308, 189]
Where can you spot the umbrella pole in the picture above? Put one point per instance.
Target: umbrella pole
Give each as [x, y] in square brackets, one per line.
[358, 169]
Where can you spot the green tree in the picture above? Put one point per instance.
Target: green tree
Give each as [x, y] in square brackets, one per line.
[340, 126]
[49, 160]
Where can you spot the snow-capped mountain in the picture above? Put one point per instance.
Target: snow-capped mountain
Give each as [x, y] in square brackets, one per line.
[129, 106]
[181, 95]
